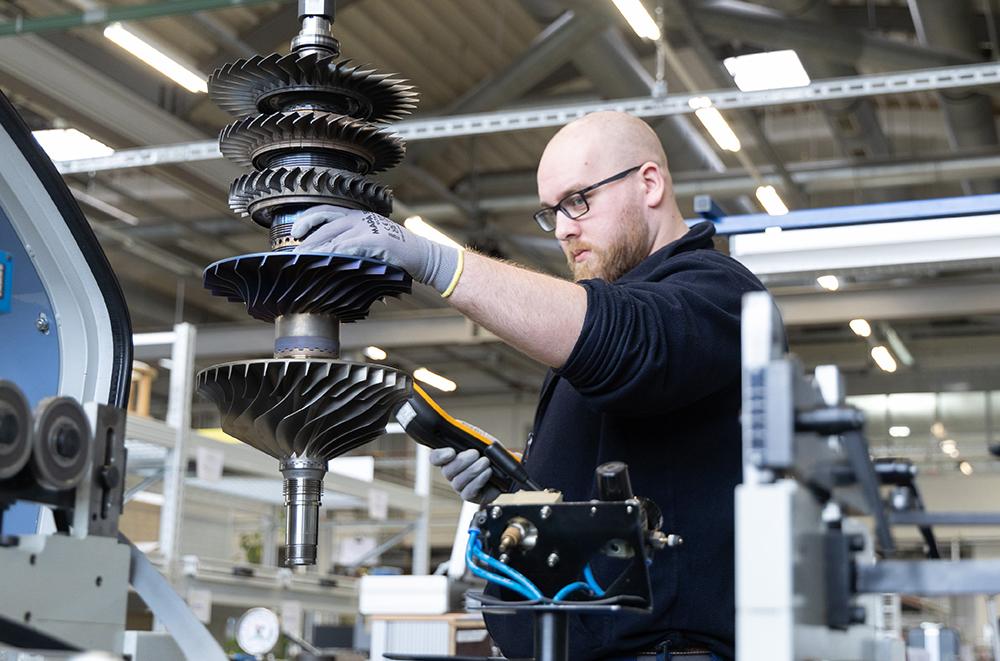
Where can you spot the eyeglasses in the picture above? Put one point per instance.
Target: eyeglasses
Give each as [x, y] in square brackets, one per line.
[575, 204]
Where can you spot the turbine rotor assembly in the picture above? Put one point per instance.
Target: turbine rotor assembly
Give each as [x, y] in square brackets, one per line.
[311, 127]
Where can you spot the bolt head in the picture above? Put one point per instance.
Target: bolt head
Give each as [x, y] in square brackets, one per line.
[495, 512]
[552, 560]
[674, 540]
[109, 476]
[317, 8]
[42, 323]
[503, 558]
[546, 512]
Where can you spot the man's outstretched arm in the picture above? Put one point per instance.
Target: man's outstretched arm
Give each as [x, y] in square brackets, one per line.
[537, 314]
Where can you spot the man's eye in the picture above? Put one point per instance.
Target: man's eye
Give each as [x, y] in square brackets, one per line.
[576, 202]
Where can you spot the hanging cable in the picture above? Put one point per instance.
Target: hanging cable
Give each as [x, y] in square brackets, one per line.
[572, 587]
[588, 575]
[516, 581]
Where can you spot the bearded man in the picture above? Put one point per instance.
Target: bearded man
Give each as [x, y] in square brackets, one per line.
[644, 351]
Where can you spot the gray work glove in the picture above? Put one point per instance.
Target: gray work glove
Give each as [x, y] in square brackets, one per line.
[468, 471]
[343, 231]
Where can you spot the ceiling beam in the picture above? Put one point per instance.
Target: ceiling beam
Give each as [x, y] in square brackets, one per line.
[720, 79]
[968, 114]
[646, 106]
[772, 29]
[92, 94]
[111, 14]
[812, 177]
[875, 381]
[853, 122]
[555, 45]
[932, 353]
[891, 303]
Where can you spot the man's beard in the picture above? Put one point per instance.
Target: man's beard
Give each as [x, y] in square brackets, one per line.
[617, 259]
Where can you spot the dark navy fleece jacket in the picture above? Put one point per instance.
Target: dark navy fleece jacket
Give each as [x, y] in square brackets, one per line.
[654, 381]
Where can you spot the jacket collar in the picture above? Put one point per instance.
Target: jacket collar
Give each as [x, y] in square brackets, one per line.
[698, 237]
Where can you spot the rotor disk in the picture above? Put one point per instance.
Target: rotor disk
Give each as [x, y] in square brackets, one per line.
[360, 146]
[314, 409]
[273, 284]
[258, 194]
[276, 83]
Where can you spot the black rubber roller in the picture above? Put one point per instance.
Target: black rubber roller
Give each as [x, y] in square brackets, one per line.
[62, 440]
[15, 430]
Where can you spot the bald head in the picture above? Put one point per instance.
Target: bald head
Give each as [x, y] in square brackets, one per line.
[622, 221]
[610, 140]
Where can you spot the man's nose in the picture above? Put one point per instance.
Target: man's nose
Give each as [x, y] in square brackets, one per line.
[566, 227]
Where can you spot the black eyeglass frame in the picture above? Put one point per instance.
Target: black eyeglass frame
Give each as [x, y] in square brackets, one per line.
[542, 218]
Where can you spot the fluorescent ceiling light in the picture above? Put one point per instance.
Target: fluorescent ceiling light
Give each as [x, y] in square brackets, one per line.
[70, 144]
[771, 201]
[883, 359]
[949, 447]
[715, 123]
[420, 227]
[899, 431]
[828, 282]
[861, 327]
[169, 67]
[432, 379]
[638, 18]
[966, 468]
[375, 353]
[767, 71]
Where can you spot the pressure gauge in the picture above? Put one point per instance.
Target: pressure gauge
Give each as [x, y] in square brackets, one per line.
[257, 631]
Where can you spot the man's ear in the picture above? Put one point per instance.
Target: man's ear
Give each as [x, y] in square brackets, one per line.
[655, 183]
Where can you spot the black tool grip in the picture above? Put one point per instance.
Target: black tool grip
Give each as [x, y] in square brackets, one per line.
[429, 425]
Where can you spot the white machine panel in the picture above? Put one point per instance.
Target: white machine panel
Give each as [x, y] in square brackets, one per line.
[403, 595]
